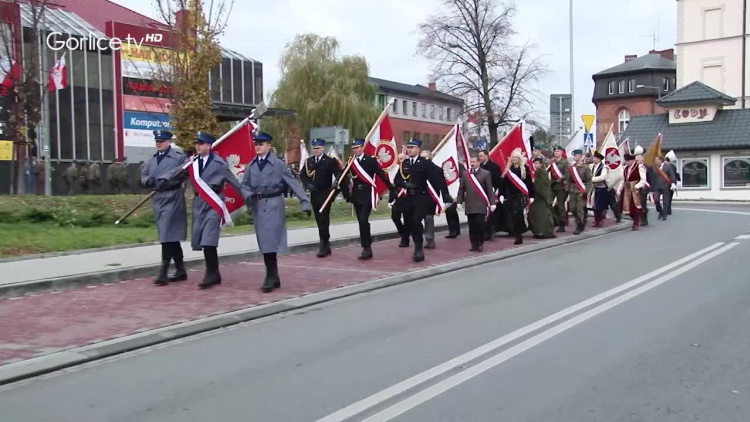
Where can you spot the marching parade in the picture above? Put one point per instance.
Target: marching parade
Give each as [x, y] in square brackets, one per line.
[514, 188]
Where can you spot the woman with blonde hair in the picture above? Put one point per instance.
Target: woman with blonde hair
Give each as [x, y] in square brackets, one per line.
[516, 192]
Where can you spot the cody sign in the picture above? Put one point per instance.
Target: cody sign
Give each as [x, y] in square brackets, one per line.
[56, 41]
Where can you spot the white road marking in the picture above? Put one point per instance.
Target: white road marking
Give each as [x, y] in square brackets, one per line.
[490, 363]
[390, 392]
[713, 211]
[742, 237]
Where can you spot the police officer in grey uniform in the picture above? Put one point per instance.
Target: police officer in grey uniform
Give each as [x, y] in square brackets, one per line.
[168, 204]
[206, 221]
[265, 181]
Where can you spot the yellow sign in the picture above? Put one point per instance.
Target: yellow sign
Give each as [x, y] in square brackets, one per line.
[588, 122]
[6, 150]
[145, 53]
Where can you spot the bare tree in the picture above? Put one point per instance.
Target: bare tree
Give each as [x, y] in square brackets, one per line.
[24, 93]
[470, 46]
[195, 28]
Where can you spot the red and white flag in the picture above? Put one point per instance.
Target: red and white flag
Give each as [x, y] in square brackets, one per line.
[58, 75]
[10, 71]
[447, 157]
[208, 195]
[512, 141]
[382, 145]
[237, 149]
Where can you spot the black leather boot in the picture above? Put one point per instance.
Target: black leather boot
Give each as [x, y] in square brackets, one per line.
[418, 253]
[212, 276]
[162, 279]
[181, 273]
[366, 253]
[404, 242]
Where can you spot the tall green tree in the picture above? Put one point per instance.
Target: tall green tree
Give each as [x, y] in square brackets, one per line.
[322, 88]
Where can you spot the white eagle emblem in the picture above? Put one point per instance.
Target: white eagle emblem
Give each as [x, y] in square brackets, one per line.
[237, 168]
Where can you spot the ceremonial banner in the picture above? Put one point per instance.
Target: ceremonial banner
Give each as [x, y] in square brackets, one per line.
[649, 158]
[236, 147]
[207, 194]
[513, 140]
[382, 146]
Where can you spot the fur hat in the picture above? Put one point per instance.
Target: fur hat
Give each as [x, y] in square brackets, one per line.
[638, 150]
[671, 156]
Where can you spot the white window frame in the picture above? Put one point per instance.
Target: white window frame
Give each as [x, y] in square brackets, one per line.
[405, 107]
[621, 86]
[631, 85]
[620, 120]
[703, 160]
[724, 160]
[611, 87]
[395, 106]
[414, 109]
[666, 83]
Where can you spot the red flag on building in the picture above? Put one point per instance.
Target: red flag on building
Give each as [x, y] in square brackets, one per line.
[58, 76]
[513, 140]
[10, 71]
[236, 147]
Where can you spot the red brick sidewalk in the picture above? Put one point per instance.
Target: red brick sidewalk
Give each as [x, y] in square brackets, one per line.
[50, 322]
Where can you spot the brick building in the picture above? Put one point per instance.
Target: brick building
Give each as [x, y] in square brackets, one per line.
[632, 89]
[418, 112]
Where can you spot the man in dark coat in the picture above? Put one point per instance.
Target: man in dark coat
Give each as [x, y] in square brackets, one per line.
[540, 213]
[398, 205]
[319, 174]
[476, 196]
[211, 173]
[264, 183]
[451, 214]
[496, 220]
[417, 172]
[436, 174]
[169, 206]
[664, 183]
[363, 171]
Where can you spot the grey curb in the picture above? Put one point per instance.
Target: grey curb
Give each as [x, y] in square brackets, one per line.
[130, 273]
[56, 361]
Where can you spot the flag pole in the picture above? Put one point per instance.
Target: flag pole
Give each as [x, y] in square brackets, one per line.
[351, 159]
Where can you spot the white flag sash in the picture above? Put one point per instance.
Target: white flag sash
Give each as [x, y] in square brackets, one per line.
[577, 178]
[518, 183]
[435, 197]
[480, 191]
[207, 194]
[556, 173]
[362, 174]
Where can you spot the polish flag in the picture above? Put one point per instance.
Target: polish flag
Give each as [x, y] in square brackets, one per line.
[303, 154]
[448, 157]
[236, 147]
[58, 76]
[576, 142]
[512, 141]
[382, 145]
[10, 71]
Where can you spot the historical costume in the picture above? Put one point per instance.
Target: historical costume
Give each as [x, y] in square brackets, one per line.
[634, 183]
[600, 193]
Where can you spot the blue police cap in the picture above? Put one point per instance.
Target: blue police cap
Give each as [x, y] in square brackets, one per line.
[319, 143]
[205, 138]
[358, 143]
[414, 143]
[162, 135]
[262, 137]
[577, 152]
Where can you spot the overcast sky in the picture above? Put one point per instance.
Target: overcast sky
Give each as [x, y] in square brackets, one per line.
[386, 33]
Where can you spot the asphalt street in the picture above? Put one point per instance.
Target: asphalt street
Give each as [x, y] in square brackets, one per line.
[645, 326]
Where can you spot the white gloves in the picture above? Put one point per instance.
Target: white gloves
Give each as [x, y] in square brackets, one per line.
[447, 205]
[679, 185]
[390, 205]
[501, 199]
[673, 187]
[493, 208]
[460, 207]
[531, 200]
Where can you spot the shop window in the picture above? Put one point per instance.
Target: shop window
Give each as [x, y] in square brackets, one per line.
[694, 172]
[736, 172]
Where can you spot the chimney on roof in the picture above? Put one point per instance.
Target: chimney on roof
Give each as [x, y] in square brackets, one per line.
[432, 86]
[667, 54]
[630, 57]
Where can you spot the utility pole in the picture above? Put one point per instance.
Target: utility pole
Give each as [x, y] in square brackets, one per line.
[572, 78]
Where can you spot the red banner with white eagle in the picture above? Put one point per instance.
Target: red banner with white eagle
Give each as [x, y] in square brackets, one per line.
[382, 145]
[236, 147]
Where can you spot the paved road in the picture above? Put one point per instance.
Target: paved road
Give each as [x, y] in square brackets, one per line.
[669, 345]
